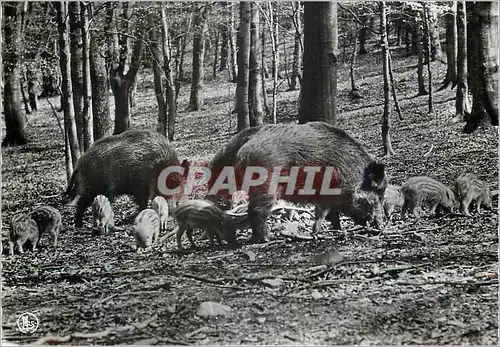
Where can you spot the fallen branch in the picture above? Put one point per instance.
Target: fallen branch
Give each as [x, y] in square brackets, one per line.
[454, 283]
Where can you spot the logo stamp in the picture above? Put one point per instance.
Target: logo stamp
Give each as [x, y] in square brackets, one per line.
[27, 323]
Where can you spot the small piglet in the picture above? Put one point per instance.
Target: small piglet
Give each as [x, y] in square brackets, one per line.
[146, 228]
[22, 229]
[102, 214]
[470, 188]
[392, 198]
[48, 220]
[160, 205]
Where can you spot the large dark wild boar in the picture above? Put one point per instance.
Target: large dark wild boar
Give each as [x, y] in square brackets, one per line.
[311, 144]
[127, 163]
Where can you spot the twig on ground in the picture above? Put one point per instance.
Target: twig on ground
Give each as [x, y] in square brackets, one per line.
[453, 283]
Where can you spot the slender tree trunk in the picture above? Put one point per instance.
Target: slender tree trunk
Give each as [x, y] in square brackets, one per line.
[297, 48]
[265, 70]
[393, 89]
[451, 48]
[33, 78]
[26, 101]
[75, 36]
[462, 87]
[273, 27]
[224, 48]
[88, 127]
[169, 81]
[102, 124]
[436, 50]
[275, 34]
[200, 27]
[67, 91]
[232, 45]
[255, 82]
[414, 39]
[243, 66]
[319, 83]
[428, 45]
[354, 89]
[14, 119]
[420, 66]
[216, 57]
[386, 118]
[483, 67]
[362, 35]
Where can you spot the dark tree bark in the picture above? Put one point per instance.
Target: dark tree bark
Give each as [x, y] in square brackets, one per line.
[102, 123]
[420, 64]
[121, 81]
[216, 55]
[75, 39]
[354, 89]
[462, 86]
[88, 127]
[451, 48]
[319, 81]
[66, 87]
[428, 46]
[386, 118]
[483, 66]
[363, 35]
[169, 81]
[154, 46]
[297, 48]
[254, 77]
[243, 66]
[14, 119]
[224, 33]
[200, 28]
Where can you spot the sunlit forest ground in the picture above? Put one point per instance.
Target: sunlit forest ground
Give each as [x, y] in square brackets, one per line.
[427, 282]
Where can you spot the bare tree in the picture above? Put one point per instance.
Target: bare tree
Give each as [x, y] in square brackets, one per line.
[169, 81]
[122, 80]
[462, 87]
[67, 91]
[451, 47]
[200, 28]
[420, 53]
[254, 78]
[297, 48]
[243, 66]
[14, 119]
[88, 128]
[232, 44]
[426, 12]
[319, 81]
[436, 50]
[386, 118]
[75, 39]
[483, 65]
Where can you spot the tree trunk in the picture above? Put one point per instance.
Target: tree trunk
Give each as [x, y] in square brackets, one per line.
[200, 27]
[224, 48]
[26, 101]
[297, 48]
[232, 45]
[14, 119]
[216, 55]
[483, 67]
[319, 81]
[354, 89]
[67, 91]
[120, 81]
[75, 36]
[88, 127]
[254, 77]
[420, 66]
[428, 46]
[243, 65]
[102, 124]
[414, 39]
[436, 50]
[362, 35]
[157, 75]
[169, 81]
[462, 86]
[263, 41]
[33, 77]
[386, 118]
[451, 48]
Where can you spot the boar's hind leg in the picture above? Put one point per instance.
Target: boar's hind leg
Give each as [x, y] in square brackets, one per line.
[141, 197]
[334, 218]
[320, 212]
[259, 209]
[81, 207]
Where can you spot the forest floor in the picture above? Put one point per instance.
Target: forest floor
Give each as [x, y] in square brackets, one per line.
[428, 282]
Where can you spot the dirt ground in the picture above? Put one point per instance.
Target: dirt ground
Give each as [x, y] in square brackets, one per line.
[428, 282]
